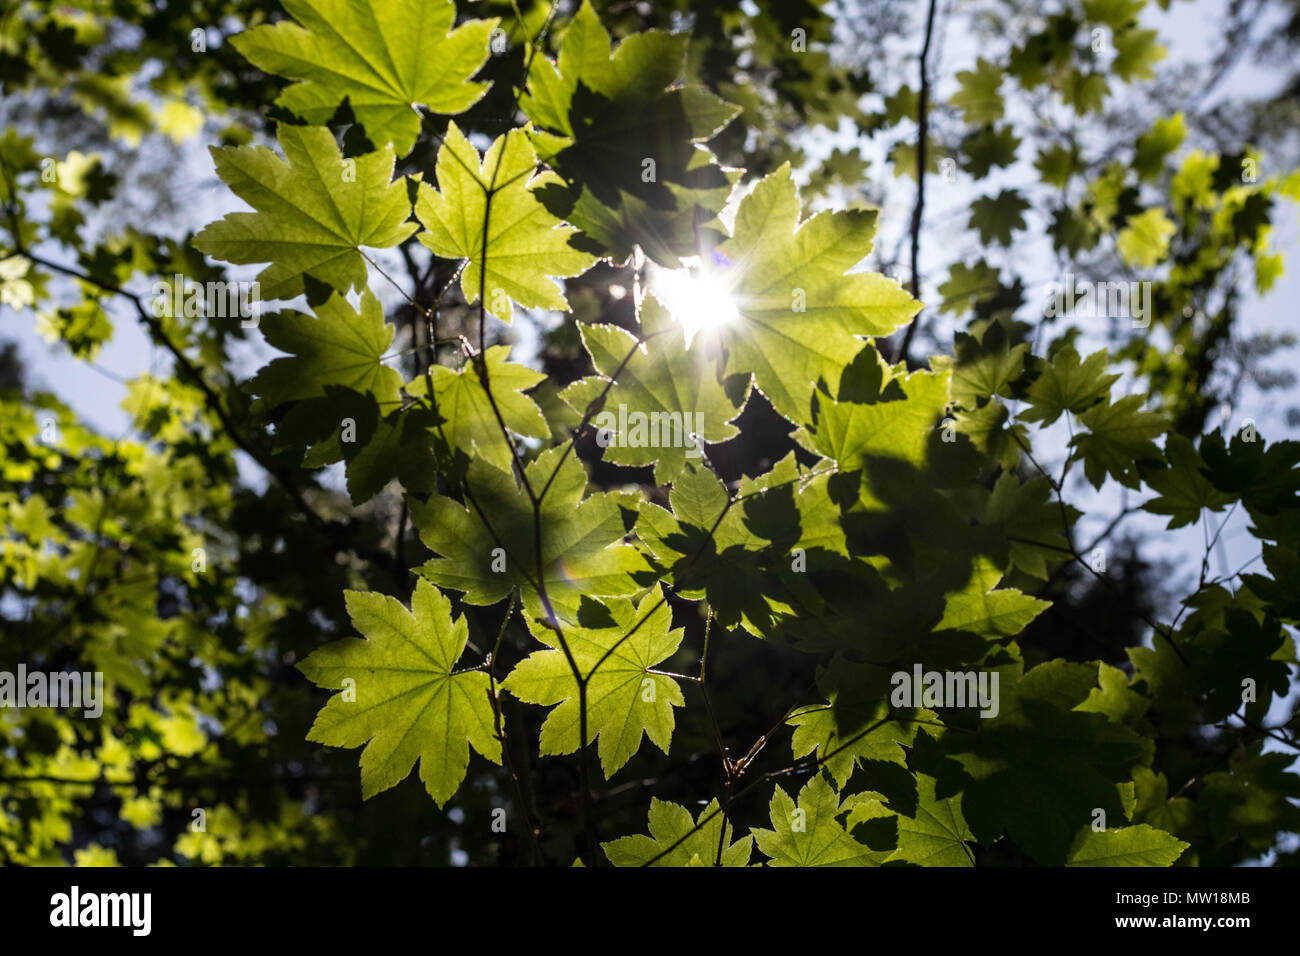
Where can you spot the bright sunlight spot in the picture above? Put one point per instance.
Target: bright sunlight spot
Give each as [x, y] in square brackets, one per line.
[699, 296]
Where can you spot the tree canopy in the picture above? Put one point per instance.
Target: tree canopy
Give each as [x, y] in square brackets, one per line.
[636, 434]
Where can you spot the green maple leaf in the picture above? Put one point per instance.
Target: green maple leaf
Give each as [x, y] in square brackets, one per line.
[1267, 479]
[903, 157]
[844, 731]
[844, 167]
[315, 211]
[627, 146]
[1073, 230]
[408, 702]
[989, 147]
[626, 698]
[983, 609]
[978, 98]
[1184, 490]
[340, 346]
[1068, 385]
[1104, 194]
[1153, 805]
[854, 433]
[996, 217]
[1039, 768]
[1116, 14]
[378, 442]
[739, 557]
[524, 244]
[818, 730]
[469, 422]
[902, 105]
[799, 316]
[1145, 240]
[1282, 590]
[581, 538]
[1115, 697]
[669, 823]
[1031, 522]
[1136, 54]
[1086, 92]
[1056, 164]
[1118, 437]
[1251, 799]
[980, 370]
[399, 446]
[991, 430]
[809, 834]
[640, 67]
[385, 57]
[936, 835]
[663, 384]
[967, 285]
[1225, 655]
[1139, 845]
[616, 224]
[1165, 136]
[865, 807]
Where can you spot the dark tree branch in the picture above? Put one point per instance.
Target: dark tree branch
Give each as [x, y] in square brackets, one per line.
[922, 135]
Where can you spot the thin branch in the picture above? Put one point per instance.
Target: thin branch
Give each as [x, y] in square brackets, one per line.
[922, 135]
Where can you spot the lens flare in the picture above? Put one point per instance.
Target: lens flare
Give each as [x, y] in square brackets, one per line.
[698, 296]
